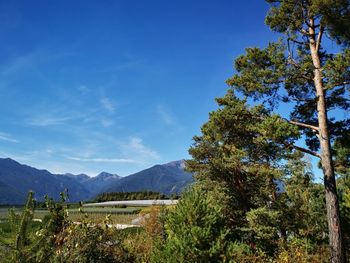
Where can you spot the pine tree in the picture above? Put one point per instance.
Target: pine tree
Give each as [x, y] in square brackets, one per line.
[235, 150]
[300, 71]
[194, 230]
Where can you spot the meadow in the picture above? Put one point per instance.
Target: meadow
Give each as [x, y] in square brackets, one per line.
[115, 215]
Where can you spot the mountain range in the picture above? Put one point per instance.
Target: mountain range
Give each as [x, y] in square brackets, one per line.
[17, 179]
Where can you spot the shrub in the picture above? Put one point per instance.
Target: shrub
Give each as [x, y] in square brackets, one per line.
[194, 230]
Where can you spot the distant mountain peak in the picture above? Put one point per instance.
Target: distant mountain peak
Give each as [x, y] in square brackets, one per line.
[77, 176]
[167, 178]
[16, 179]
[107, 175]
[179, 164]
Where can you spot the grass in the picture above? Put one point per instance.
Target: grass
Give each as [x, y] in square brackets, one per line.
[7, 233]
[98, 218]
[92, 214]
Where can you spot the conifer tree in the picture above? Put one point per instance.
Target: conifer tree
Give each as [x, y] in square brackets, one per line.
[236, 151]
[195, 230]
[302, 71]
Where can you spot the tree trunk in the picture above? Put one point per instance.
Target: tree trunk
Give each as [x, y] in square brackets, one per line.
[337, 254]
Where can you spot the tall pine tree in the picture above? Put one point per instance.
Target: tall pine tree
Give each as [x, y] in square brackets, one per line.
[301, 70]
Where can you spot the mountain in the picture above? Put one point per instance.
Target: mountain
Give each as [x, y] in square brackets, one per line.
[17, 179]
[9, 195]
[97, 183]
[168, 178]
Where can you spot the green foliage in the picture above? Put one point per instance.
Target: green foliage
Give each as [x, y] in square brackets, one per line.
[234, 212]
[263, 227]
[303, 72]
[300, 250]
[289, 17]
[56, 239]
[247, 149]
[86, 243]
[236, 151]
[344, 193]
[194, 230]
[342, 155]
[260, 71]
[302, 203]
[284, 71]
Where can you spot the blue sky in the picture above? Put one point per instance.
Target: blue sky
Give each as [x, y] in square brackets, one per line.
[117, 86]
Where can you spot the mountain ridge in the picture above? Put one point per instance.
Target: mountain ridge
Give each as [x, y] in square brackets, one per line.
[170, 178]
[17, 179]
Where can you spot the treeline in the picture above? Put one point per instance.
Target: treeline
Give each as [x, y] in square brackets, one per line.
[121, 196]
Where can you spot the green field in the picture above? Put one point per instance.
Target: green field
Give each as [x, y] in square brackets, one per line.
[92, 214]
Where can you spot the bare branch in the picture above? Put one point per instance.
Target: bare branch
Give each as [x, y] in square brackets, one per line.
[297, 41]
[305, 77]
[293, 62]
[302, 100]
[305, 150]
[319, 38]
[303, 125]
[304, 32]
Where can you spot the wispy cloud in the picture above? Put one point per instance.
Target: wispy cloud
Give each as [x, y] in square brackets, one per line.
[8, 138]
[48, 120]
[48, 115]
[136, 147]
[19, 63]
[32, 61]
[101, 160]
[166, 116]
[83, 89]
[107, 104]
[107, 123]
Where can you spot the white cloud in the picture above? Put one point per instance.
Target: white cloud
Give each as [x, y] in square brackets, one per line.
[20, 63]
[32, 61]
[107, 104]
[101, 160]
[48, 120]
[83, 88]
[136, 147]
[107, 123]
[54, 116]
[165, 115]
[6, 137]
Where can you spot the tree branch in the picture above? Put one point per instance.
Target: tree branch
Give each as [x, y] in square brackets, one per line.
[319, 38]
[297, 41]
[303, 125]
[304, 32]
[339, 84]
[305, 150]
[293, 62]
[302, 100]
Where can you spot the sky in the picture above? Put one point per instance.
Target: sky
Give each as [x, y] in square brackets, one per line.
[116, 86]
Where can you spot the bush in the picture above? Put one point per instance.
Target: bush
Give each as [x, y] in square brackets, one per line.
[194, 230]
[84, 243]
[302, 251]
[263, 229]
[142, 244]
